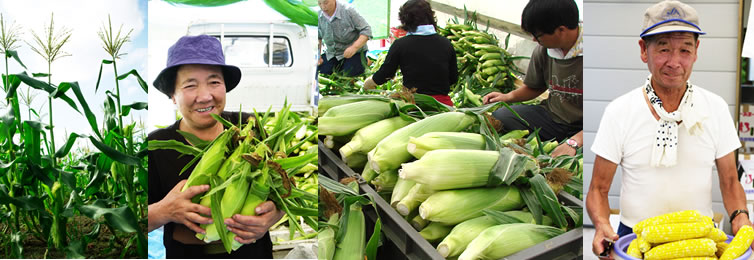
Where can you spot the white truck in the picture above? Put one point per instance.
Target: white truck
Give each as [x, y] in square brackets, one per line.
[268, 80]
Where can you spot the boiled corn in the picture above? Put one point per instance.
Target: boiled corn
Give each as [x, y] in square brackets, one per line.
[633, 250]
[682, 248]
[740, 243]
[674, 232]
[685, 216]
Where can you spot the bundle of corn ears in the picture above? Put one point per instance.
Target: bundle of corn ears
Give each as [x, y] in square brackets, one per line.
[245, 166]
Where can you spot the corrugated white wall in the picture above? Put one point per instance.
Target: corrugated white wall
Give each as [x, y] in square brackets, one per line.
[612, 65]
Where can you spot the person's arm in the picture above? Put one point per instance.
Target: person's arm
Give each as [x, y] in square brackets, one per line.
[523, 93]
[319, 53]
[565, 149]
[388, 68]
[597, 204]
[355, 46]
[733, 194]
[249, 229]
[177, 207]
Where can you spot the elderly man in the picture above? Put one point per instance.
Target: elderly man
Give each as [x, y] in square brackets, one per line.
[345, 34]
[556, 64]
[667, 135]
[196, 79]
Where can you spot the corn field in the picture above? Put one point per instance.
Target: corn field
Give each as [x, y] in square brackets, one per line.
[67, 200]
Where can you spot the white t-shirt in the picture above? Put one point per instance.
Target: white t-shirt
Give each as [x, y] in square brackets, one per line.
[625, 137]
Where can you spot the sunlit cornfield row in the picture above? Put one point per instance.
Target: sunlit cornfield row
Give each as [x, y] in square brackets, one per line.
[84, 197]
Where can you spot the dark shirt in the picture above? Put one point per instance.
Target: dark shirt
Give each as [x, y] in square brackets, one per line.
[164, 166]
[428, 63]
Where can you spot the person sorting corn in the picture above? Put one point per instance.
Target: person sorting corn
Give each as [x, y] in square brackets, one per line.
[345, 34]
[556, 64]
[426, 59]
[667, 135]
[196, 79]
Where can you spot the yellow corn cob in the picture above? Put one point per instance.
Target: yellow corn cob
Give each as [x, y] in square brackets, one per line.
[643, 245]
[682, 248]
[717, 235]
[633, 249]
[669, 218]
[674, 232]
[739, 244]
[697, 258]
[721, 246]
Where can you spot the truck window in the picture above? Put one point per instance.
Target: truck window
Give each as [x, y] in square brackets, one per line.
[252, 51]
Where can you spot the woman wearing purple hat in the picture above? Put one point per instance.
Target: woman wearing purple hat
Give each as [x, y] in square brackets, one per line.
[196, 79]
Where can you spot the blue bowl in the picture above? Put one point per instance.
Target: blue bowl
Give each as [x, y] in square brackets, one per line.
[622, 244]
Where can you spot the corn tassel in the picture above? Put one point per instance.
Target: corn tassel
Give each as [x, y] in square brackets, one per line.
[740, 243]
[674, 232]
[682, 248]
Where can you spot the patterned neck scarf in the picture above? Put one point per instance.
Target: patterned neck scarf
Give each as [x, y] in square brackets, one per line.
[665, 149]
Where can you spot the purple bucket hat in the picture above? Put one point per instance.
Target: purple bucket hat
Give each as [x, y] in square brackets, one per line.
[202, 49]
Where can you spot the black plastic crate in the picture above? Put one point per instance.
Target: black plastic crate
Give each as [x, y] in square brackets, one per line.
[402, 241]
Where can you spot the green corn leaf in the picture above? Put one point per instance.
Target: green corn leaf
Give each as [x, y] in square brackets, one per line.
[99, 75]
[90, 117]
[576, 217]
[196, 141]
[174, 145]
[14, 54]
[226, 123]
[140, 80]
[533, 204]
[14, 82]
[135, 106]
[374, 241]
[75, 249]
[120, 218]
[548, 200]
[115, 154]
[202, 3]
[27, 202]
[32, 142]
[502, 217]
[63, 151]
[217, 215]
[298, 161]
[509, 166]
[17, 247]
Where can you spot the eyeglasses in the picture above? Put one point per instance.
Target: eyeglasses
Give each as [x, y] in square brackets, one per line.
[536, 36]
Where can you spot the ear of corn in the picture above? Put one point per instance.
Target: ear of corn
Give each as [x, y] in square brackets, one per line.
[527, 217]
[402, 187]
[740, 243]
[368, 174]
[211, 161]
[418, 194]
[356, 160]
[386, 180]
[365, 139]
[346, 119]
[328, 102]
[502, 240]
[454, 206]
[674, 232]
[717, 235]
[418, 146]
[633, 250]
[644, 246]
[462, 234]
[451, 169]
[697, 258]
[351, 246]
[721, 246]
[204, 202]
[259, 189]
[435, 232]
[418, 223]
[685, 216]
[391, 151]
[232, 201]
[682, 248]
[326, 239]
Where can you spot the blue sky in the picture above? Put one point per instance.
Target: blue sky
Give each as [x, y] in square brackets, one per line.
[84, 18]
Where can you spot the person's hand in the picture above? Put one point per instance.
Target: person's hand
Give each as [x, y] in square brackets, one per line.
[178, 208]
[563, 149]
[349, 52]
[319, 62]
[369, 83]
[601, 232]
[493, 97]
[249, 229]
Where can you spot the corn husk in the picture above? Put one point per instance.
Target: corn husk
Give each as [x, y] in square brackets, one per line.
[502, 240]
[365, 139]
[435, 232]
[455, 206]
[418, 194]
[418, 146]
[462, 234]
[451, 169]
[347, 119]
